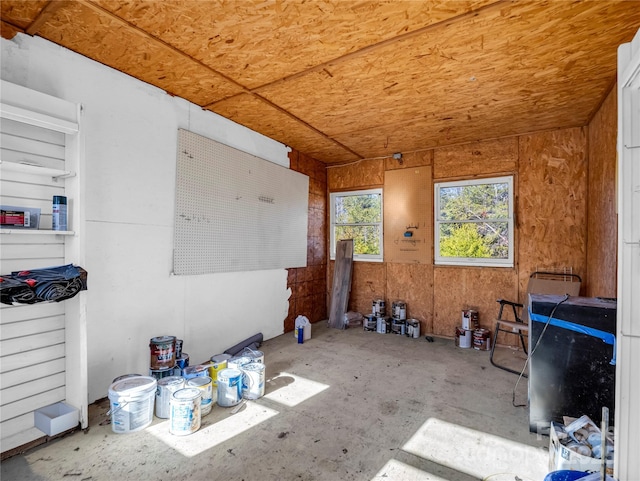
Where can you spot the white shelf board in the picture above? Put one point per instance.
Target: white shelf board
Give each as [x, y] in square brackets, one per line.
[37, 232]
[35, 169]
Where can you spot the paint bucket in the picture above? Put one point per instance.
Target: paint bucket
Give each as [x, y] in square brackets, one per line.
[381, 326]
[166, 387]
[399, 310]
[254, 355]
[370, 322]
[217, 364]
[253, 380]
[205, 385]
[178, 348]
[237, 362]
[379, 307]
[229, 387]
[124, 376]
[131, 401]
[182, 361]
[413, 328]
[162, 373]
[185, 414]
[482, 339]
[398, 326]
[463, 337]
[470, 319]
[199, 370]
[163, 352]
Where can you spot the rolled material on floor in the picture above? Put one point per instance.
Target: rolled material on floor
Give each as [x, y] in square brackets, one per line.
[253, 342]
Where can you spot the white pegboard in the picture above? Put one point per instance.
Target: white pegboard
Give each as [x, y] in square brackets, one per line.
[236, 212]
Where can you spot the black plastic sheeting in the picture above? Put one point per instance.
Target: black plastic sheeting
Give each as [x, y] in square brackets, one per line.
[50, 284]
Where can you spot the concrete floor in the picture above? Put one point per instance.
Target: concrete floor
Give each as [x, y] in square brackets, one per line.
[345, 405]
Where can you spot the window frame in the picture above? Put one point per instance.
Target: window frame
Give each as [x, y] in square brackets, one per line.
[473, 261]
[332, 230]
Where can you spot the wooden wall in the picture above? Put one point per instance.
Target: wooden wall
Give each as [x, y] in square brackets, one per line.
[565, 217]
[308, 284]
[550, 170]
[602, 225]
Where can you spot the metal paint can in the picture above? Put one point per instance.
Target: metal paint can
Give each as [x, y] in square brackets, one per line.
[381, 325]
[162, 373]
[217, 364]
[178, 348]
[399, 310]
[470, 319]
[254, 355]
[185, 416]
[370, 322]
[463, 337]
[413, 328]
[379, 307]
[398, 326]
[205, 385]
[163, 352]
[199, 370]
[482, 339]
[166, 387]
[229, 387]
[253, 380]
[183, 360]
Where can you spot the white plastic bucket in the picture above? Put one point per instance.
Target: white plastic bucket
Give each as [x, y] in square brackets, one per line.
[253, 380]
[229, 387]
[206, 386]
[166, 387]
[185, 415]
[463, 338]
[131, 401]
[238, 361]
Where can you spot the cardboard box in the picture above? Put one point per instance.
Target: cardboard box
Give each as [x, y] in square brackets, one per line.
[561, 457]
[56, 418]
[13, 217]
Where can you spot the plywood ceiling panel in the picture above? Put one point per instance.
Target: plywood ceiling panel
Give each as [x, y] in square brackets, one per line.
[261, 41]
[343, 79]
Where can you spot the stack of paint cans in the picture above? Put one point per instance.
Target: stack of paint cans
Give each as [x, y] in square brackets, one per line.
[163, 356]
[370, 322]
[238, 377]
[399, 317]
[464, 334]
[379, 309]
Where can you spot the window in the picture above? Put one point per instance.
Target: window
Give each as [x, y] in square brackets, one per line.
[358, 215]
[474, 222]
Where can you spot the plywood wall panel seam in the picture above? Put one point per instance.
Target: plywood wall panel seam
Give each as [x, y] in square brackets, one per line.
[47, 12]
[138, 31]
[598, 107]
[384, 43]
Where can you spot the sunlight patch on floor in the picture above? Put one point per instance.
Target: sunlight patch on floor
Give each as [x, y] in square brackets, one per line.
[398, 471]
[209, 436]
[476, 453]
[291, 390]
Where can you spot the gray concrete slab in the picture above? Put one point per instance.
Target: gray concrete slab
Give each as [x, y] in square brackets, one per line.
[345, 405]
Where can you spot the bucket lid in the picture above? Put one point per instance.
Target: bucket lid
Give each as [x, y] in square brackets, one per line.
[229, 373]
[170, 380]
[221, 357]
[186, 394]
[133, 385]
[162, 339]
[199, 381]
[240, 360]
[253, 366]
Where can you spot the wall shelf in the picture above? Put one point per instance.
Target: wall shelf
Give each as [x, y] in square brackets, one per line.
[37, 232]
[35, 169]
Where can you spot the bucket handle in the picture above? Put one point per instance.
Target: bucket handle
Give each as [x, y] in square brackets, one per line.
[113, 411]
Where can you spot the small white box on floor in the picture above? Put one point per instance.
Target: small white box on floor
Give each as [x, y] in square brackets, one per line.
[56, 418]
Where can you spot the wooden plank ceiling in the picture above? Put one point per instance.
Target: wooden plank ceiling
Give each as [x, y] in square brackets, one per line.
[342, 80]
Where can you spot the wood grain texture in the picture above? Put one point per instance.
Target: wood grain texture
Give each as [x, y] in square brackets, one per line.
[476, 159]
[459, 288]
[360, 175]
[367, 284]
[552, 203]
[602, 248]
[413, 284]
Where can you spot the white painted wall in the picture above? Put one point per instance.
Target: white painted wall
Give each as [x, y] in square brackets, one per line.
[130, 133]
